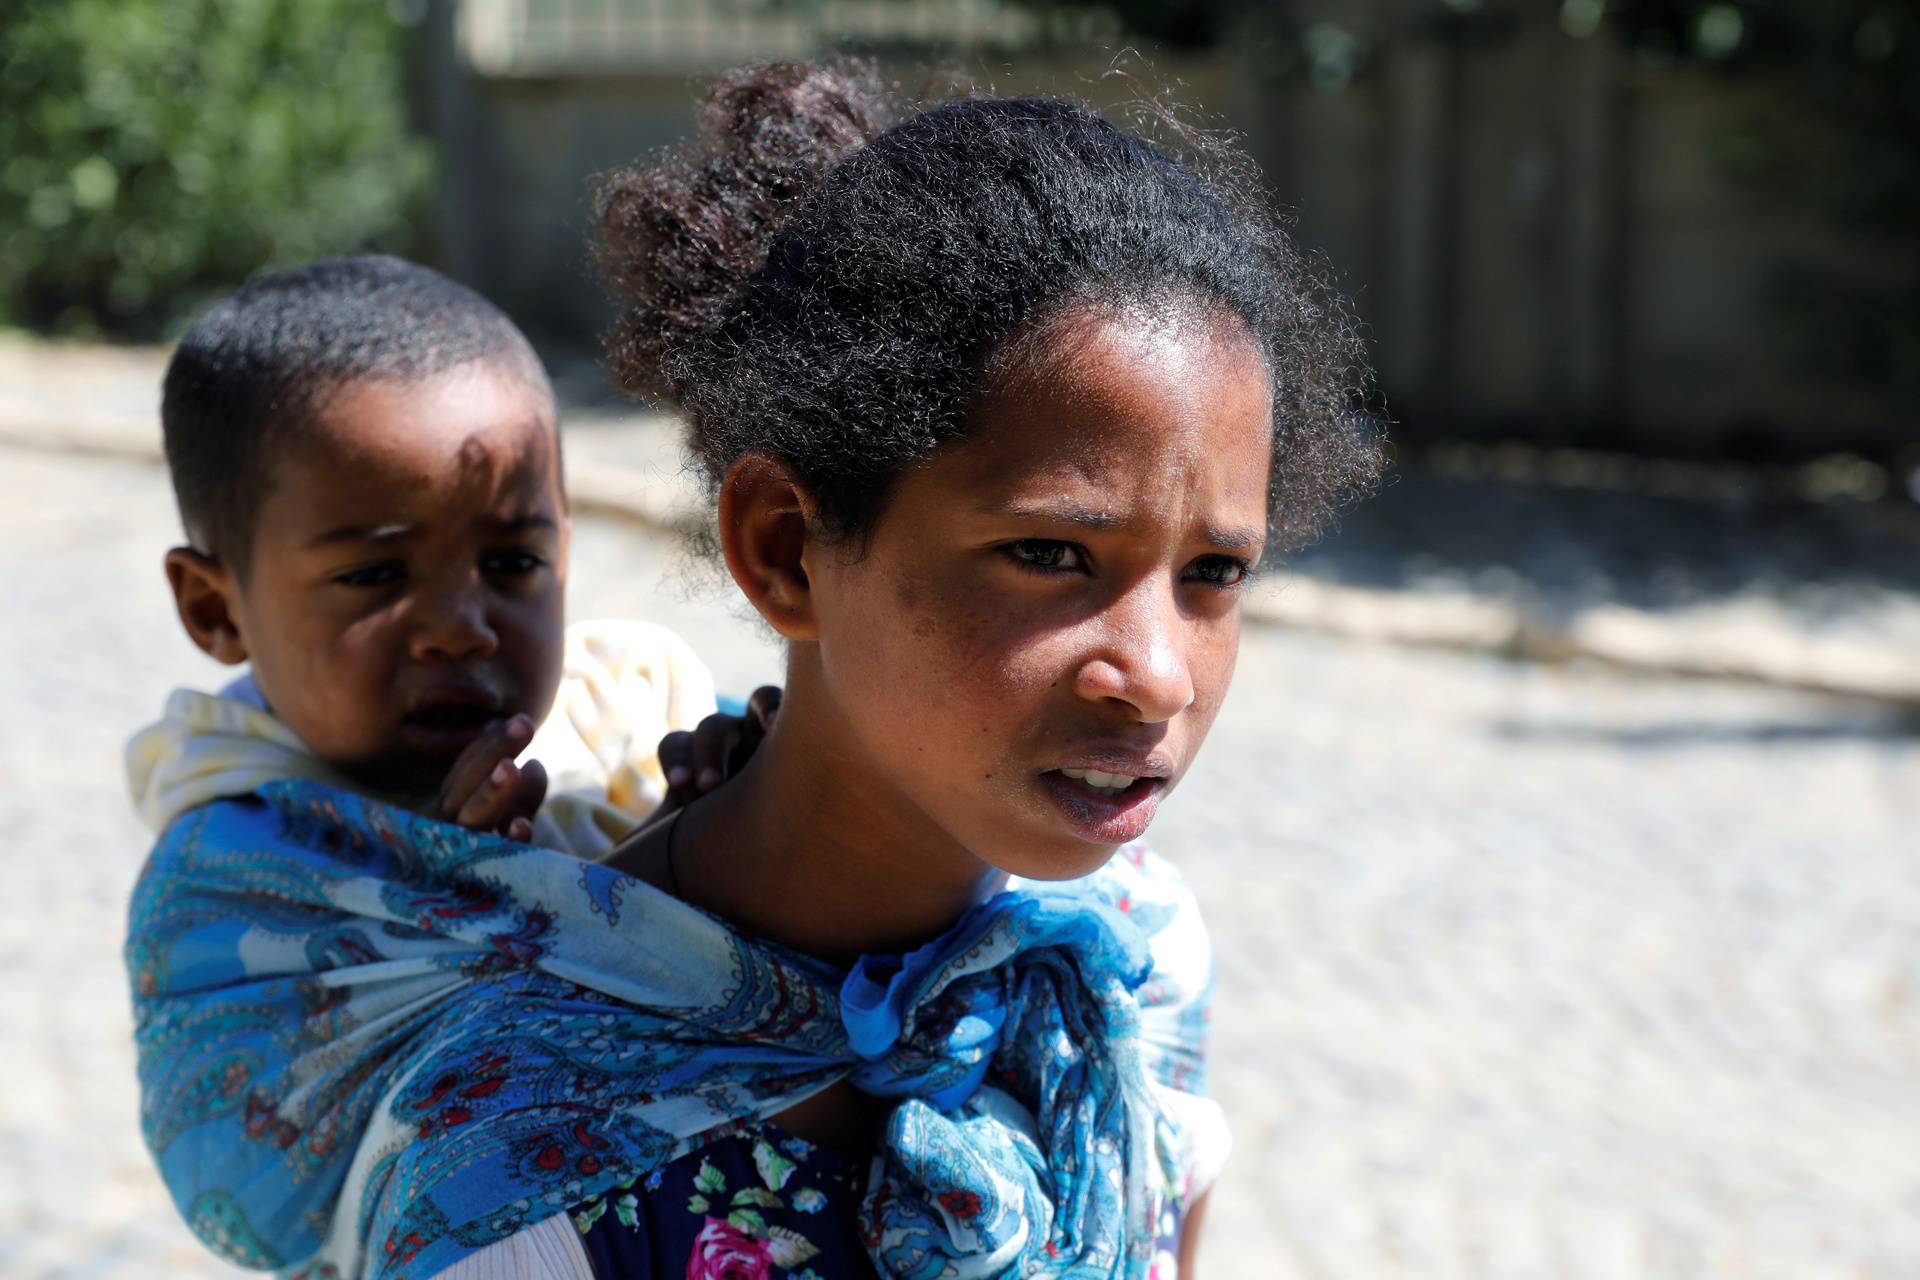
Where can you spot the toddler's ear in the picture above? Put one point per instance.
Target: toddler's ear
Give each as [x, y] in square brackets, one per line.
[203, 593]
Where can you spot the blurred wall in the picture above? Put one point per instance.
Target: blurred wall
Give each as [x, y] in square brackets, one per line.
[527, 118]
[1533, 226]
[1540, 237]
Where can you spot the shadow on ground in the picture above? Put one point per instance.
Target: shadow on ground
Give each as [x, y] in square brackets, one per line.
[1679, 734]
[1557, 533]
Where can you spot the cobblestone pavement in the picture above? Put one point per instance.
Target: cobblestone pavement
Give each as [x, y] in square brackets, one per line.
[1524, 971]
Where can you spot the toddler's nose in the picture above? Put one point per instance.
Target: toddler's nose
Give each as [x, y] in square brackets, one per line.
[453, 628]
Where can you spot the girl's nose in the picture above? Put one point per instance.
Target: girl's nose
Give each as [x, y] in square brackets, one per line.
[453, 626]
[1142, 663]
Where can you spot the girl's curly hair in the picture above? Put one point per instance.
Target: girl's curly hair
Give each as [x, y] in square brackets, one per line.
[807, 279]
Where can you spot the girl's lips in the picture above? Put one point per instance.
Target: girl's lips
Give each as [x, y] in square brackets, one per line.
[1105, 817]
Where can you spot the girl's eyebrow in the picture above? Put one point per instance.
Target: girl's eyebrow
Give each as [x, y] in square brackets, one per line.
[1057, 512]
[1060, 512]
[1236, 539]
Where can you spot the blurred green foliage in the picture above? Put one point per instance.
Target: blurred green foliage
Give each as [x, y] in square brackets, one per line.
[156, 152]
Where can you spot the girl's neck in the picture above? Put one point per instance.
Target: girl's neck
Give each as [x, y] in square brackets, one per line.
[808, 848]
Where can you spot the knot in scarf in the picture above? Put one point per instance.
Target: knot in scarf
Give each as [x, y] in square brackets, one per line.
[1039, 1168]
[927, 1024]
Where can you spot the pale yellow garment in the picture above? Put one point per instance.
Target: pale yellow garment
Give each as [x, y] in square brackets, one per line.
[625, 684]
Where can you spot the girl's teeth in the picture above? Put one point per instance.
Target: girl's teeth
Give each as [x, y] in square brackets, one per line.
[1099, 780]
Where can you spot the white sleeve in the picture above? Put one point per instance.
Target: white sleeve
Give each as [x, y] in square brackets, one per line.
[1205, 1139]
[548, 1250]
[1175, 1016]
[1176, 1004]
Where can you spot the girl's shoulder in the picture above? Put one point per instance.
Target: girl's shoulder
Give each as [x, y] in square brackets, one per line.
[1151, 893]
[1139, 884]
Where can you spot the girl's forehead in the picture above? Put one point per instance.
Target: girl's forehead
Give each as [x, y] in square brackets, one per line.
[1121, 411]
[1093, 385]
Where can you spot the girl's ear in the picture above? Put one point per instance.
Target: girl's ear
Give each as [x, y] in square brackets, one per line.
[204, 594]
[766, 519]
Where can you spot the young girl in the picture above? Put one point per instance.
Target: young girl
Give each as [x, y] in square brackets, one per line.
[1001, 406]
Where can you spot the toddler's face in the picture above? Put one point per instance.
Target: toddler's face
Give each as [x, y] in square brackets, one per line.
[408, 570]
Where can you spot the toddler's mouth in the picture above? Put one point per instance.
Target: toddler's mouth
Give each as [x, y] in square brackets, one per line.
[451, 716]
[448, 722]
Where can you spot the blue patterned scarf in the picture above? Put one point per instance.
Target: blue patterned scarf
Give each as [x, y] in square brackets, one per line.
[371, 1043]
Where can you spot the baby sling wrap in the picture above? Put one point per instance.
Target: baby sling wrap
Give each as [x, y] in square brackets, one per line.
[371, 1043]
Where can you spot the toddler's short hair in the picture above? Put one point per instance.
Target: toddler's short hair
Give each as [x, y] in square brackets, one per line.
[259, 365]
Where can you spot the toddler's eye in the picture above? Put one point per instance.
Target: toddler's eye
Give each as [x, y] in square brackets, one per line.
[1047, 555]
[512, 563]
[1220, 571]
[372, 575]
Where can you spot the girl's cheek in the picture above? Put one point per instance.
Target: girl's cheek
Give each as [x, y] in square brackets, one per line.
[965, 634]
[941, 621]
[996, 652]
[1213, 675]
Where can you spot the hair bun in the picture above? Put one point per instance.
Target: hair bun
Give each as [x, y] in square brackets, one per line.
[680, 237]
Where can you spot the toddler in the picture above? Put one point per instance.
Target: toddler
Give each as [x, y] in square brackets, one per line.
[367, 464]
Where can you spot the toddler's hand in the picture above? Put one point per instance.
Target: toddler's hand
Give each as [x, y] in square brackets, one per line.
[486, 791]
[697, 762]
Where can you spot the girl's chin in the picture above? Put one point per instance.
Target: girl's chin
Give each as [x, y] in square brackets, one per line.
[1075, 839]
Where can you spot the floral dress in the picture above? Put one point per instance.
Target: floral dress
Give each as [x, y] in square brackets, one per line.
[757, 1203]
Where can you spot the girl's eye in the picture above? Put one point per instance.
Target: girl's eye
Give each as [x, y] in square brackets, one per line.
[1047, 555]
[1220, 571]
[510, 563]
[383, 574]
